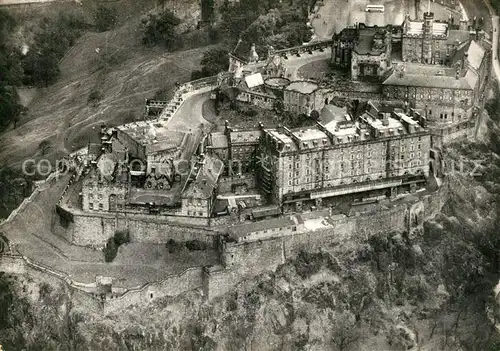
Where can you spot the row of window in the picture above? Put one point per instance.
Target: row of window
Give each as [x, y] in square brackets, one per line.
[195, 213]
[100, 206]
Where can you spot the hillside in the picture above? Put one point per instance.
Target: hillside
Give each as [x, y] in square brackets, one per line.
[114, 63]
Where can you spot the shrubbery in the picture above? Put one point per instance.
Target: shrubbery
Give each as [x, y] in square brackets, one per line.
[113, 244]
[52, 41]
[10, 73]
[213, 62]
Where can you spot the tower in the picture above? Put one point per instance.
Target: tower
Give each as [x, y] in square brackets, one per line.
[427, 56]
[253, 57]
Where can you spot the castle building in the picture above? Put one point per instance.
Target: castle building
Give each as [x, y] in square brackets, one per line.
[106, 187]
[431, 41]
[299, 97]
[199, 192]
[236, 148]
[445, 94]
[377, 151]
[365, 50]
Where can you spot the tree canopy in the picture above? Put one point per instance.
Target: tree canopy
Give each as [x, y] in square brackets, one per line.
[160, 29]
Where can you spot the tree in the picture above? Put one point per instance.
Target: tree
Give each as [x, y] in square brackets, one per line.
[215, 61]
[345, 331]
[105, 18]
[161, 30]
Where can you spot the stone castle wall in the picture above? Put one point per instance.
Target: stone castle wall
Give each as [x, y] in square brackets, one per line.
[246, 260]
[93, 230]
[190, 279]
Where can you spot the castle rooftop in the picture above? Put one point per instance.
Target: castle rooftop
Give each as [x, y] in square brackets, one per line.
[154, 135]
[242, 230]
[303, 87]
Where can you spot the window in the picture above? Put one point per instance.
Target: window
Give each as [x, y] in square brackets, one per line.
[289, 182]
[101, 206]
[91, 206]
[289, 166]
[294, 229]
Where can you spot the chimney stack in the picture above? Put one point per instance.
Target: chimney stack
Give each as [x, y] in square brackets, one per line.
[464, 60]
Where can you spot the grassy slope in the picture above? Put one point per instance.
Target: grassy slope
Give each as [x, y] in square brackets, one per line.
[61, 112]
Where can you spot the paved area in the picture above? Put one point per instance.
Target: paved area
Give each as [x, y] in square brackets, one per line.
[293, 64]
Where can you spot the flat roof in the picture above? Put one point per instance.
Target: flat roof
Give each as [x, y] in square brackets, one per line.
[241, 230]
[218, 140]
[152, 132]
[303, 87]
[309, 134]
[417, 28]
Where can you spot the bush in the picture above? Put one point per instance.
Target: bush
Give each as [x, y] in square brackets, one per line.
[111, 248]
[172, 246]
[308, 264]
[122, 237]
[105, 18]
[196, 245]
[95, 96]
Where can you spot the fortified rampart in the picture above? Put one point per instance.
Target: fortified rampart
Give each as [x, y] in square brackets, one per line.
[242, 260]
[94, 229]
[247, 259]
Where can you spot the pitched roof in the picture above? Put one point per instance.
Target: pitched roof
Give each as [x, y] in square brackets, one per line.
[261, 212]
[254, 80]
[419, 75]
[475, 55]
[206, 179]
